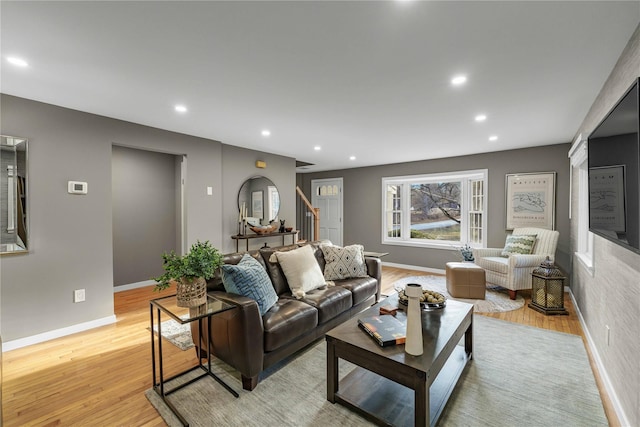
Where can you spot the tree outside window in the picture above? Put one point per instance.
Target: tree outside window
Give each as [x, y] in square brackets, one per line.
[435, 210]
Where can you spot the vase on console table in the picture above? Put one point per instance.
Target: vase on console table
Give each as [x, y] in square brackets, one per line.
[413, 341]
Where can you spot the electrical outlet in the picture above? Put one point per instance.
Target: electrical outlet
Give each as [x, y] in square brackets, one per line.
[608, 335]
[78, 295]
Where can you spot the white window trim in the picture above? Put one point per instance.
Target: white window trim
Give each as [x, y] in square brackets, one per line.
[466, 176]
[579, 158]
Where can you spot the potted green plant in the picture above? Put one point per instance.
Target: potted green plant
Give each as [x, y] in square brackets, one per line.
[190, 272]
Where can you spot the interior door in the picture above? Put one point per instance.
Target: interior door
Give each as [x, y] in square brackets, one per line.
[327, 195]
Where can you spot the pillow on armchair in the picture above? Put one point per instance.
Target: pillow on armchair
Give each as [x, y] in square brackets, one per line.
[521, 244]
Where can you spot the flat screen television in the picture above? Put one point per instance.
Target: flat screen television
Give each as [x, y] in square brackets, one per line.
[614, 173]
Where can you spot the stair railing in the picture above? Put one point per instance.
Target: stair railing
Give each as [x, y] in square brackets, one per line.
[309, 218]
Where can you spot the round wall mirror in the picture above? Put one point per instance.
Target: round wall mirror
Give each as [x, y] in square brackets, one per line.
[260, 197]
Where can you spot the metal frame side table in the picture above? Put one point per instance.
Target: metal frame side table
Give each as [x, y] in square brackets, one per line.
[182, 315]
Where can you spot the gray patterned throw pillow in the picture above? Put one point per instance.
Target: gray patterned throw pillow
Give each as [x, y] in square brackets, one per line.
[521, 244]
[344, 263]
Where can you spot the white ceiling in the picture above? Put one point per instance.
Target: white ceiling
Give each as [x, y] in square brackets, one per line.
[370, 79]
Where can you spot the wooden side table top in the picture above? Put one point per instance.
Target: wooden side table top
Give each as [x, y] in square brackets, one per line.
[376, 254]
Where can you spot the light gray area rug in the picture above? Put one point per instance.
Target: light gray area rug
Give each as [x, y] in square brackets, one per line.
[176, 333]
[496, 298]
[519, 376]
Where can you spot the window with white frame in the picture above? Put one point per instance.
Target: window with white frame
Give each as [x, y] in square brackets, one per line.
[579, 160]
[435, 210]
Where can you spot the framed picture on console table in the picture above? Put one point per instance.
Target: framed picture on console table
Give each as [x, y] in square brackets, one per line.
[531, 200]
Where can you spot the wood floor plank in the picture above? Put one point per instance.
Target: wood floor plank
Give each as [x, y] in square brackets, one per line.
[98, 377]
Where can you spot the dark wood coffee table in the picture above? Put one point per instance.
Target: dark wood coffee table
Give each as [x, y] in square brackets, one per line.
[391, 387]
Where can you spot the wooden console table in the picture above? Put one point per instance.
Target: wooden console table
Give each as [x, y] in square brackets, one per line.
[248, 237]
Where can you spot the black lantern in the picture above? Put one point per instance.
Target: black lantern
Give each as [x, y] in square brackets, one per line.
[547, 293]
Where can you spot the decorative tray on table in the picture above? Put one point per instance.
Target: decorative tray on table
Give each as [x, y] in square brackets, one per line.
[429, 300]
[265, 229]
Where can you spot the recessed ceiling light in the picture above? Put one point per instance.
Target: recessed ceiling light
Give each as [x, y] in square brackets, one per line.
[17, 61]
[266, 132]
[459, 80]
[493, 138]
[352, 158]
[481, 117]
[180, 108]
[317, 148]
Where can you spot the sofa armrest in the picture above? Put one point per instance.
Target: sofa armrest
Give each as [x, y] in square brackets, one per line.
[526, 261]
[486, 252]
[374, 269]
[237, 334]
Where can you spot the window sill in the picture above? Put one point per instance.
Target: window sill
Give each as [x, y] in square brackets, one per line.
[586, 262]
[451, 246]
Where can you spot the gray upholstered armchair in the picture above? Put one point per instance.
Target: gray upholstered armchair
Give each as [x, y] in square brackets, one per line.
[513, 272]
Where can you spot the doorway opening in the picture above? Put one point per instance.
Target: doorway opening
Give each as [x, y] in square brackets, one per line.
[147, 212]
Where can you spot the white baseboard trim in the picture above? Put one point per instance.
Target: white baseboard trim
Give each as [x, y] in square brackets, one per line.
[622, 417]
[57, 333]
[135, 285]
[414, 267]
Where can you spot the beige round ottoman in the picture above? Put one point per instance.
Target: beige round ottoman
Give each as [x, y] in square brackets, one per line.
[465, 280]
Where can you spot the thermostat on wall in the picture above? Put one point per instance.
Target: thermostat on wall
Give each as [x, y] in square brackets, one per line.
[77, 187]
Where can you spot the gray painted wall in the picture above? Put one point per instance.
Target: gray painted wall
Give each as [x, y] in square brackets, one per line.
[612, 295]
[238, 166]
[144, 212]
[71, 236]
[363, 199]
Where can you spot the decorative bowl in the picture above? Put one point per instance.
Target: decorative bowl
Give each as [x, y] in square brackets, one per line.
[429, 300]
[263, 230]
[289, 229]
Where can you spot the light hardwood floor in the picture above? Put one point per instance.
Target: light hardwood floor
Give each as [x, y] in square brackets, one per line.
[98, 377]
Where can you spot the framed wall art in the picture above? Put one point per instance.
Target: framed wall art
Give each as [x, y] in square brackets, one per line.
[607, 198]
[531, 200]
[257, 205]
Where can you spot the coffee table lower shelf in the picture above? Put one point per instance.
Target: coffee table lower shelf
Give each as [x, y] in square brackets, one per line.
[386, 402]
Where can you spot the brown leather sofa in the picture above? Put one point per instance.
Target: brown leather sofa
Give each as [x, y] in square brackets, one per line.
[251, 343]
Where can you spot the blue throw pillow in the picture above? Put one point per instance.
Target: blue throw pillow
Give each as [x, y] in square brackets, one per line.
[248, 278]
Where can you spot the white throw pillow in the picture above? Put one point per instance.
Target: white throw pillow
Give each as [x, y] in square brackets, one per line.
[344, 263]
[301, 269]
